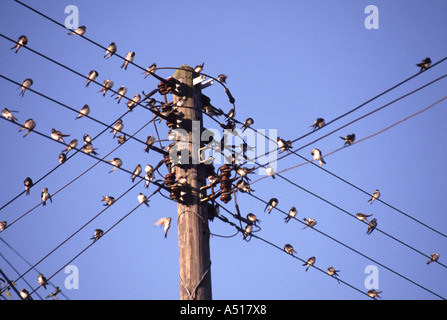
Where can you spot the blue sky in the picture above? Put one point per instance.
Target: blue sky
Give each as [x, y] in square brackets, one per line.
[288, 63]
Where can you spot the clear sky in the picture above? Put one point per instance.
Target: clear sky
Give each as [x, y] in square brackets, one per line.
[288, 63]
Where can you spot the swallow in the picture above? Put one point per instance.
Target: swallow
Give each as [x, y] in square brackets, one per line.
[349, 139]
[133, 103]
[247, 231]
[136, 172]
[243, 172]
[97, 234]
[433, 257]
[309, 223]
[79, 31]
[54, 294]
[87, 138]
[28, 185]
[73, 144]
[58, 136]
[166, 223]
[199, 68]
[212, 111]
[116, 162]
[309, 262]
[181, 102]
[91, 77]
[316, 153]
[150, 70]
[332, 272]
[270, 172]
[122, 139]
[149, 142]
[88, 148]
[42, 280]
[374, 196]
[118, 126]
[83, 112]
[231, 114]
[62, 158]
[253, 218]
[318, 124]
[371, 226]
[244, 186]
[121, 92]
[289, 249]
[3, 225]
[45, 196]
[283, 145]
[143, 199]
[108, 84]
[7, 114]
[272, 203]
[24, 294]
[110, 51]
[292, 214]
[424, 64]
[149, 176]
[362, 216]
[373, 293]
[22, 41]
[247, 123]
[222, 78]
[129, 58]
[26, 84]
[29, 124]
[109, 200]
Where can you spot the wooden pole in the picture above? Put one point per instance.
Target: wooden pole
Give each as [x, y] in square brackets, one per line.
[192, 219]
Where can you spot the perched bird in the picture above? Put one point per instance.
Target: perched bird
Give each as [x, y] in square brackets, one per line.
[24, 294]
[273, 202]
[150, 69]
[149, 175]
[199, 68]
[133, 103]
[79, 31]
[318, 124]
[22, 41]
[424, 64]
[374, 196]
[58, 136]
[111, 49]
[332, 272]
[98, 234]
[243, 186]
[433, 257]
[129, 58]
[253, 218]
[116, 162]
[149, 142]
[26, 84]
[292, 214]
[62, 158]
[136, 172]
[373, 293]
[42, 280]
[121, 139]
[283, 145]
[362, 216]
[166, 223]
[212, 111]
[45, 196]
[349, 139]
[87, 138]
[7, 114]
[28, 185]
[108, 84]
[289, 249]
[270, 172]
[88, 148]
[3, 225]
[73, 144]
[143, 199]
[91, 77]
[371, 226]
[121, 92]
[247, 123]
[309, 223]
[231, 114]
[316, 153]
[243, 172]
[309, 262]
[54, 294]
[83, 112]
[109, 200]
[247, 231]
[118, 126]
[29, 124]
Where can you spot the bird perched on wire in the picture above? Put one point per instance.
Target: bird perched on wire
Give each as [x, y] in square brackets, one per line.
[247, 123]
[252, 218]
[292, 213]
[143, 199]
[54, 294]
[309, 222]
[136, 172]
[373, 293]
[117, 162]
[222, 78]
[309, 262]
[88, 148]
[42, 280]
[3, 225]
[78, 31]
[247, 231]
[24, 294]
[316, 153]
[272, 203]
[371, 226]
[28, 185]
[97, 234]
[62, 158]
[283, 145]
[374, 196]
[289, 249]
[45, 196]
[7, 114]
[433, 257]
[151, 69]
[333, 273]
[166, 223]
[121, 92]
[117, 127]
[129, 58]
[26, 84]
[110, 51]
[349, 139]
[83, 112]
[109, 200]
[150, 140]
[199, 67]
[362, 216]
[108, 84]
[91, 77]
[72, 145]
[270, 172]
[29, 124]
[22, 41]
[318, 124]
[149, 175]
[131, 104]
[243, 186]
[58, 136]
[424, 64]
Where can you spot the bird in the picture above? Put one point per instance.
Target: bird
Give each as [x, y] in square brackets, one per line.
[433, 257]
[24, 294]
[136, 172]
[97, 234]
[318, 124]
[283, 145]
[199, 67]
[88, 148]
[424, 64]
[3, 225]
[222, 78]
[309, 222]
[109, 200]
[83, 112]
[129, 58]
[108, 84]
[362, 216]
[54, 294]
[149, 175]
[87, 138]
[133, 103]
[231, 114]
[42, 280]
[149, 142]
[45, 196]
[212, 111]
[116, 162]
[22, 41]
[26, 84]
[243, 172]
[73, 144]
[371, 226]
[292, 214]
[247, 123]
[110, 51]
[349, 139]
[332, 272]
[373, 293]
[150, 69]
[58, 136]
[78, 31]
[309, 262]
[121, 92]
[247, 231]
[62, 158]
[289, 249]
[316, 153]
[7, 114]
[118, 126]
[166, 223]
[252, 218]
[243, 186]
[28, 185]
[143, 199]
[122, 138]
[270, 172]
[374, 196]
[29, 124]
[272, 203]
[91, 77]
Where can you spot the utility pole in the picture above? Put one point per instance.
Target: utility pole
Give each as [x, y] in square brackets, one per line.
[192, 215]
